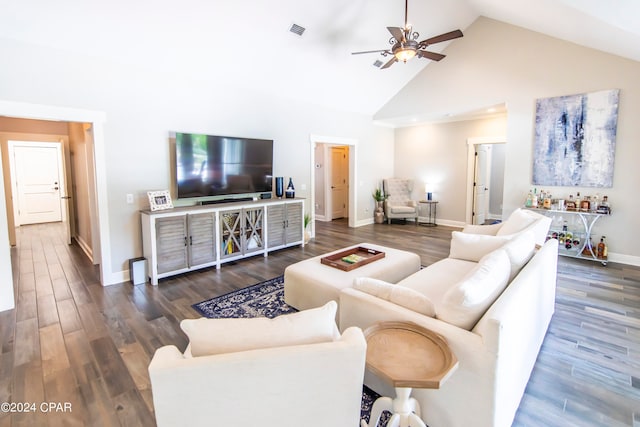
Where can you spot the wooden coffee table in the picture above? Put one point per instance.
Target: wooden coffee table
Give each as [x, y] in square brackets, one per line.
[408, 356]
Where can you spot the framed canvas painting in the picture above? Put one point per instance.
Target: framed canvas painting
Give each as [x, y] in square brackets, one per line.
[575, 140]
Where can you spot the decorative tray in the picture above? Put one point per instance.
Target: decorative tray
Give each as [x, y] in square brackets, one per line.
[350, 259]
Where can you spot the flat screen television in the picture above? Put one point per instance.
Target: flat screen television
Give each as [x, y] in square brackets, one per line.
[208, 165]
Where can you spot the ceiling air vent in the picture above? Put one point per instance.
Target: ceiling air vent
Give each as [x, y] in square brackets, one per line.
[297, 29]
[378, 63]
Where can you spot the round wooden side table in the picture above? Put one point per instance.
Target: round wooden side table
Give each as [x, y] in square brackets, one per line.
[407, 356]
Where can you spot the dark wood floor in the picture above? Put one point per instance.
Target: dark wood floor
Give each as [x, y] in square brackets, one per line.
[70, 340]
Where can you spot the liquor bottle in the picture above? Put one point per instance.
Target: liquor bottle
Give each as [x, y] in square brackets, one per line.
[604, 207]
[571, 204]
[605, 251]
[534, 201]
[529, 202]
[588, 249]
[601, 247]
[290, 192]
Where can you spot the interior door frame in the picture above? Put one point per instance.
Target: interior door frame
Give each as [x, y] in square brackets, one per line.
[471, 149]
[353, 174]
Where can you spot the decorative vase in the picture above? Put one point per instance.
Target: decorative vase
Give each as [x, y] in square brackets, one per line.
[290, 193]
[279, 187]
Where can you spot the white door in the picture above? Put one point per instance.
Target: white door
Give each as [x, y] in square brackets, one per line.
[37, 182]
[481, 184]
[339, 182]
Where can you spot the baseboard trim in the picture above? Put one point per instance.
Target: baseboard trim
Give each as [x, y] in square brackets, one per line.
[85, 247]
[623, 259]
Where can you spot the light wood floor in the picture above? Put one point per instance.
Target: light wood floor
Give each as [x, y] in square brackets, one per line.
[71, 340]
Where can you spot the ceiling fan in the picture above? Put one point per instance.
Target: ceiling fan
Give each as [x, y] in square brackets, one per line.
[405, 45]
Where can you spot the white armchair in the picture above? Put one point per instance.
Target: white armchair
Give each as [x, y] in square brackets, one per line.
[399, 203]
[315, 383]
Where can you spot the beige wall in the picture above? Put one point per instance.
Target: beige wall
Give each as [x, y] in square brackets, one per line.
[437, 154]
[499, 63]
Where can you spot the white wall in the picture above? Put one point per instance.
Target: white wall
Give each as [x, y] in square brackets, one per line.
[496, 63]
[143, 105]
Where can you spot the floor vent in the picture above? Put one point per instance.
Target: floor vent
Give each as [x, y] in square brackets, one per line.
[297, 29]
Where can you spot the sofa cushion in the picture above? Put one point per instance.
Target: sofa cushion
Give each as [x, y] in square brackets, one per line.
[517, 221]
[472, 247]
[435, 280]
[465, 302]
[402, 209]
[396, 294]
[216, 336]
[519, 249]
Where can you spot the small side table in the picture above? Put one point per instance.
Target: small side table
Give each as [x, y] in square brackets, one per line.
[430, 207]
[408, 356]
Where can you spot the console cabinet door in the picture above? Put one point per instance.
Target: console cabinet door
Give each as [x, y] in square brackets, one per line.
[231, 227]
[171, 243]
[276, 224]
[293, 228]
[202, 238]
[253, 237]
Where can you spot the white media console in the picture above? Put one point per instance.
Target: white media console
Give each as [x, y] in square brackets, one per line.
[184, 239]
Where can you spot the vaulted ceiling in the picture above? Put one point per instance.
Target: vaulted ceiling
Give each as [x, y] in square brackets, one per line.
[247, 43]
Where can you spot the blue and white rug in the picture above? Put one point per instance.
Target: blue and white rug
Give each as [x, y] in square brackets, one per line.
[266, 299]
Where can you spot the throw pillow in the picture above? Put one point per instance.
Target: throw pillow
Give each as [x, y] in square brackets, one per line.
[517, 221]
[399, 295]
[466, 302]
[217, 336]
[472, 247]
[520, 249]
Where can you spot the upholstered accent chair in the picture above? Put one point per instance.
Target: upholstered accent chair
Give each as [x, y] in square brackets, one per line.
[290, 371]
[399, 203]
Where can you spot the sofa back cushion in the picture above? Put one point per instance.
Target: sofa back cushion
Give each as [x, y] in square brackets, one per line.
[400, 295]
[217, 336]
[519, 249]
[472, 247]
[517, 221]
[466, 301]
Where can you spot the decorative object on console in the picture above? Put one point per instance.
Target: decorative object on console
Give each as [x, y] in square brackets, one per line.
[290, 192]
[159, 200]
[575, 139]
[279, 187]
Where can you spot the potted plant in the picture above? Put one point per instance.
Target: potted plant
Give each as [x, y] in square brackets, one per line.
[379, 197]
[307, 233]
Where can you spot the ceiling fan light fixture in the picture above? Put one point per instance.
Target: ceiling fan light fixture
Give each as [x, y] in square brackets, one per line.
[404, 53]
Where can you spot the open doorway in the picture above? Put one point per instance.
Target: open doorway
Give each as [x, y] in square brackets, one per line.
[331, 183]
[48, 177]
[320, 178]
[485, 179]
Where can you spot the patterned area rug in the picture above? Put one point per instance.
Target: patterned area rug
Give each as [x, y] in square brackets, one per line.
[267, 299]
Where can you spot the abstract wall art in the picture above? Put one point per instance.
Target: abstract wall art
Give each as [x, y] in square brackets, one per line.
[575, 140]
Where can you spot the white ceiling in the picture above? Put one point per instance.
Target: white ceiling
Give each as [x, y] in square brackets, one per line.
[248, 43]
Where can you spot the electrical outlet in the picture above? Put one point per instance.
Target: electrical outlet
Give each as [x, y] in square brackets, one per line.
[129, 199]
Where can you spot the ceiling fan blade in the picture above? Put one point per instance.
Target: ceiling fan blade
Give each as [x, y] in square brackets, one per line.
[441, 38]
[430, 55]
[397, 33]
[390, 63]
[369, 51]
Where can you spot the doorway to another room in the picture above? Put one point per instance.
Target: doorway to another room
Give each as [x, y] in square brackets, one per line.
[485, 183]
[332, 181]
[48, 178]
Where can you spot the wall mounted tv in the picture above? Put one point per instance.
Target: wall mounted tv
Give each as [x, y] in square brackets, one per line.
[208, 165]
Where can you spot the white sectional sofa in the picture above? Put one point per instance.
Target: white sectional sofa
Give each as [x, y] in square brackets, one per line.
[492, 300]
